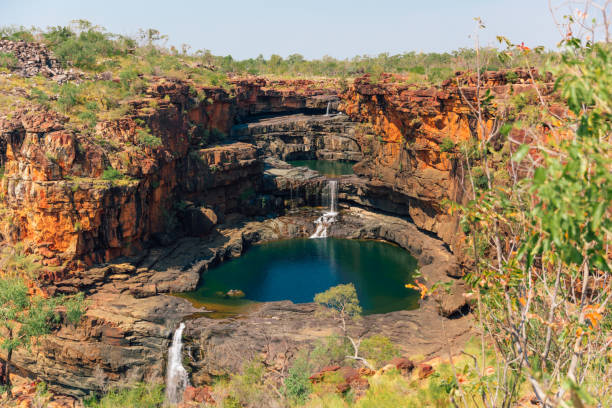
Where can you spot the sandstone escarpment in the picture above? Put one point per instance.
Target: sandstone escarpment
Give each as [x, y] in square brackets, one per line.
[303, 137]
[60, 203]
[403, 129]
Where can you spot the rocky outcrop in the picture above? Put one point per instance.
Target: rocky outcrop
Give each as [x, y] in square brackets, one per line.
[33, 59]
[256, 96]
[404, 127]
[278, 330]
[129, 321]
[302, 137]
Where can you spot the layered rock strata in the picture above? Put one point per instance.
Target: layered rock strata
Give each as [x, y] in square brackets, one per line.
[128, 325]
[303, 137]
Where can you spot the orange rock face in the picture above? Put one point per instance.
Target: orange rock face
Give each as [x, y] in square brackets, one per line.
[406, 126]
[57, 202]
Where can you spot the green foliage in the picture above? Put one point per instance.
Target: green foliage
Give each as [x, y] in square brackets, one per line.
[82, 46]
[111, 174]
[297, 384]
[146, 139]
[15, 260]
[69, 97]
[16, 33]
[248, 387]
[541, 241]
[89, 118]
[75, 308]
[330, 350]
[24, 317]
[138, 396]
[447, 145]
[40, 96]
[379, 349]
[342, 299]
[8, 60]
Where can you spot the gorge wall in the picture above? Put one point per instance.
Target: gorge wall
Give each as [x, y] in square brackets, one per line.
[217, 164]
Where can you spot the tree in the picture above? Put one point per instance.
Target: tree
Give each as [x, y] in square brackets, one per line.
[24, 317]
[342, 304]
[540, 237]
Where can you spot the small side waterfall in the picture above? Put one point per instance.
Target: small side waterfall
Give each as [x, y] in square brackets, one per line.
[328, 107]
[328, 217]
[176, 375]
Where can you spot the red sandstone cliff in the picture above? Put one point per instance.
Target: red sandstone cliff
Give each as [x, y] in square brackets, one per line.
[406, 125]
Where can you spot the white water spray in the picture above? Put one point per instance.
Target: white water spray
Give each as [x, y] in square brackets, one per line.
[328, 217]
[176, 375]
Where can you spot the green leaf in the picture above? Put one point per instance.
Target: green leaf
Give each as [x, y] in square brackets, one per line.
[520, 153]
[597, 215]
[539, 176]
[506, 128]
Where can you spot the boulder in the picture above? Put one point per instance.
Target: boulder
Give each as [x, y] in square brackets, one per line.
[198, 394]
[425, 370]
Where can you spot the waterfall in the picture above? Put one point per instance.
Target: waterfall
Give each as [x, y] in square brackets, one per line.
[327, 110]
[176, 375]
[328, 217]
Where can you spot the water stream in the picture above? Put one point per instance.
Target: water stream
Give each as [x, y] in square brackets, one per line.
[328, 217]
[176, 375]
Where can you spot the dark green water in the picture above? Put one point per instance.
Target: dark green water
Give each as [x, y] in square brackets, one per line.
[297, 269]
[326, 167]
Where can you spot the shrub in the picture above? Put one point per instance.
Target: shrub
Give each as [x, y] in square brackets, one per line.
[89, 118]
[447, 145]
[146, 139]
[247, 387]
[379, 349]
[297, 384]
[84, 48]
[111, 174]
[330, 350]
[69, 96]
[139, 396]
[39, 96]
[75, 308]
[8, 60]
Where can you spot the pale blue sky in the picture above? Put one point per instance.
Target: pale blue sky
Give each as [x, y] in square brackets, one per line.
[313, 28]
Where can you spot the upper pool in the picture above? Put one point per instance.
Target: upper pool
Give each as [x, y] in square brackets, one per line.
[331, 168]
[297, 269]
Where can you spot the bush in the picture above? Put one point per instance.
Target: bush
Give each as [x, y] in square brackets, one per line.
[75, 308]
[7, 60]
[331, 350]
[146, 139]
[139, 396]
[378, 349]
[40, 96]
[89, 118]
[247, 387]
[111, 174]
[297, 384]
[447, 145]
[84, 48]
[69, 97]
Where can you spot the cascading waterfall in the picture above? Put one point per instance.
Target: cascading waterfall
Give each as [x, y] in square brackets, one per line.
[328, 217]
[176, 375]
[328, 107]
